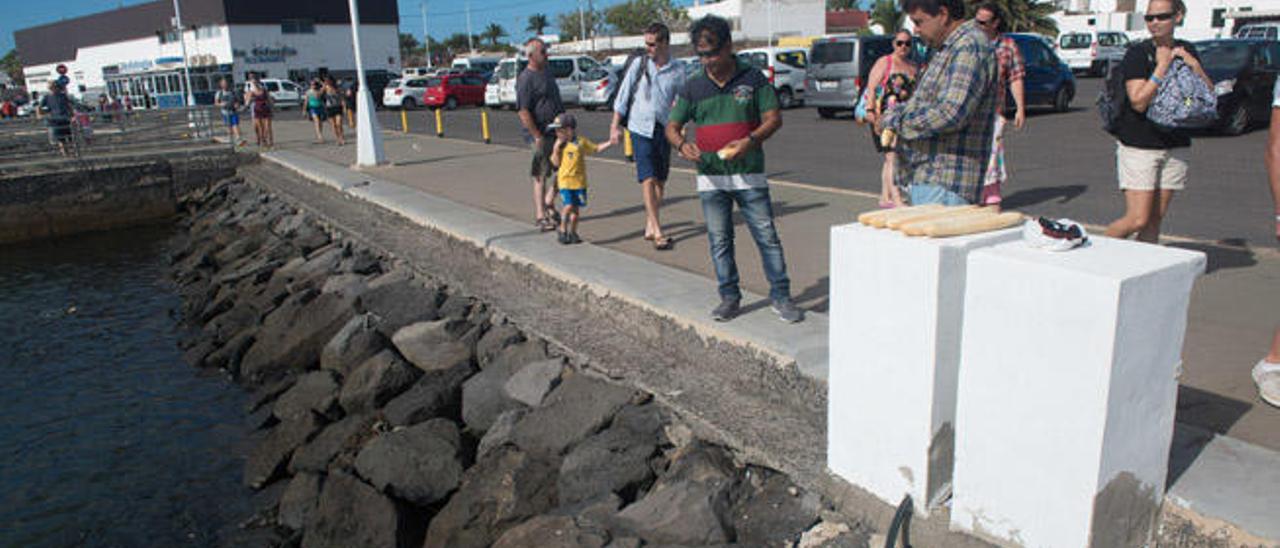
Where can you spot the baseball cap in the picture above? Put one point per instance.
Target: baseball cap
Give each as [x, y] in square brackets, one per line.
[563, 120]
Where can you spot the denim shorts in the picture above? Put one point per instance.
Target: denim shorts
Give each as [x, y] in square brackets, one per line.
[231, 118]
[652, 155]
[574, 197]
[934, 194]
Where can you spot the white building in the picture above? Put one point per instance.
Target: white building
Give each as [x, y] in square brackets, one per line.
[1204, 19]
[763, 19]
[135, 51]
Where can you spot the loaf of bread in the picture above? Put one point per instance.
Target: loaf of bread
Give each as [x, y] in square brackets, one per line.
[916, 227]
[726, 151]
[965, 225]
[897, 223]
[879, 217]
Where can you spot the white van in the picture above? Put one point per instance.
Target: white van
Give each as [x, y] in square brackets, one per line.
[785, 68]
[569, 71]
[477, 64]
[285, 93]
[506, 74]
[1268, 31]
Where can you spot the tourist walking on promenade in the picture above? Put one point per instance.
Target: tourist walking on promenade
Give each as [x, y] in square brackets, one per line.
[538, 102]
[260, 103]
[352, 87]
[333, 109]
[735, 110]
[229, 104]
[643, 104]
[944, 130]
[569, 156]
[896, 66]
[1266, 374]
[55, 107]
[315, 109]
[1010, 73]
[1151, 163]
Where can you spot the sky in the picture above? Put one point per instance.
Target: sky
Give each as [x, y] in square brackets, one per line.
[444, 17]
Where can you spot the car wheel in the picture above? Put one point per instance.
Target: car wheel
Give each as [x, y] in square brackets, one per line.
[1062, 99]
[451, 103]
[1238, 122]
[407, 104]
[785, 98]
[827, 113]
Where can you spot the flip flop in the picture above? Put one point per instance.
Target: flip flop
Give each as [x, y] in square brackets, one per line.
[886, 204]
[662, 244]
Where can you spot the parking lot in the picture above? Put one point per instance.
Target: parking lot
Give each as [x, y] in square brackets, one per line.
[1061, 164]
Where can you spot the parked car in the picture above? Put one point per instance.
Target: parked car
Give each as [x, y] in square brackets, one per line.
[599, 87]
[414, 72]
[569, 70]
[453, 90]
[507, 71]
[404, 93]
[838, 69]
[1049, 80]
[1243, 73]
[785, 68]
[285, 93]
[1268, 31]
[492, 97]
[1092, 52]
[484, 65]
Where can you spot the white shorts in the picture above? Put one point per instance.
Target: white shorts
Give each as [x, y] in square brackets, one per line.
[1151, 169]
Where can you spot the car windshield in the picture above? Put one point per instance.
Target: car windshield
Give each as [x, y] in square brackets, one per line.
[596, 74]
[1075, 41]
[393, 84]
[1223, 55]
[507, 71]
[1112, 39]
[832, 52]
[434, 82]
[272, 86]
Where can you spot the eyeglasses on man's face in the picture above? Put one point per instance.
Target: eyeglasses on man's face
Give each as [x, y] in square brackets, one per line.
[900, 43]
[984, 22]
[707, 53]
[1153, 17]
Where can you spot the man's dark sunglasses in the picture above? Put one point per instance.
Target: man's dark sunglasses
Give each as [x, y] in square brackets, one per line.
[900, 43]
[1158, 16]
[708, 53]
[650, 44]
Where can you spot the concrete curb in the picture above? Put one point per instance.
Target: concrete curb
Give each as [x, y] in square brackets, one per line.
[1225, 488]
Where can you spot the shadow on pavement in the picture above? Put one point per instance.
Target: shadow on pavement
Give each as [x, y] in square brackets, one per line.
[1188, 443]
[815, 297]
[1212, 412]
[450, 157]
[1233, 253]
[1030, 197]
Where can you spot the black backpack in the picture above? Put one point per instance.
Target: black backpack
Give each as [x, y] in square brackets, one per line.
[635, 83]
[1114, 98]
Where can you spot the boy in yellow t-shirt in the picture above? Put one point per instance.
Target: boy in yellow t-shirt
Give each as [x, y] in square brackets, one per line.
[570, 158]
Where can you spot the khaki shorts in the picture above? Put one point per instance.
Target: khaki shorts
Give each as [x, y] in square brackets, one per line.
[541, 165]
[1151, 169]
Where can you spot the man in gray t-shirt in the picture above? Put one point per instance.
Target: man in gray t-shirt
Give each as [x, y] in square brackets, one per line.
[538, 102]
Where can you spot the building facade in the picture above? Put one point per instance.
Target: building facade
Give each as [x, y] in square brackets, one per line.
[768, 19]
[1204, 19]
[135, 51]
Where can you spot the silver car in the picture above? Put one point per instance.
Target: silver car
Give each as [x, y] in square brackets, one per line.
[599, 87]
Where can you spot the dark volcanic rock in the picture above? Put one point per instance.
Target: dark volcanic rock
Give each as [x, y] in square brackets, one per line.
[292, 336]
[351, 514]
[457, 307]
[534, 381]
[310, 236]
[344, 435]
[376, 381]
[316, 391]
[612, 461]
[496, 340]
[767, 514]
[421, 464]
[500, 433]
[397, 302]
[579, 407]
[299, 500]
[483, 397]
[435, 345]
[356, 342]
[266, 461]
[689, 505]
[551, 531]
[498, 492]
[435, 393]
[197, 355]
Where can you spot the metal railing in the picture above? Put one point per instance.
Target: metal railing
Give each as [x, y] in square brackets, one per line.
[104, 133]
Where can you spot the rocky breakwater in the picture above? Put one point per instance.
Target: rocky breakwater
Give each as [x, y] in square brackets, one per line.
[394, 411]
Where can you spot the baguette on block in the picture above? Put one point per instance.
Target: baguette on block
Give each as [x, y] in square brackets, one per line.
[725, 152]
[897, 223]
[962, 226]
[880, 218]
[916, 227]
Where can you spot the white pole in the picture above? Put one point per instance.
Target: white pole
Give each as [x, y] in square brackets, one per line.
[582, 23]
[470, 47]
[770, 23]
[591, 8]
[368, 135]
[182, 38]
[426, 37]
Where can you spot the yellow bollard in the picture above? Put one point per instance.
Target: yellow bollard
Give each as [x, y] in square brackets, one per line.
[484, 124]
[626, 146]
[439, 123]
[404, 120]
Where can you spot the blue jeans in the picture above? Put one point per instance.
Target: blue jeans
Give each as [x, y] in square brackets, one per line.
[757, 212]
[934, 194]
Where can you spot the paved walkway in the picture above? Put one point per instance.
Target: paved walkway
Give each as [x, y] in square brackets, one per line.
[1233, 309]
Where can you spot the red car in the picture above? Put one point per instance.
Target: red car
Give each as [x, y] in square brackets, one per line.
[451, 90]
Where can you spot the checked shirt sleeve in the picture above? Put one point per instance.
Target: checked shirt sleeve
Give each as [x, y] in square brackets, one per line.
[1012, 59]
[962, 85]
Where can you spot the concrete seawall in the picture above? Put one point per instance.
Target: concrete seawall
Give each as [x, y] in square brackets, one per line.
[73, 196]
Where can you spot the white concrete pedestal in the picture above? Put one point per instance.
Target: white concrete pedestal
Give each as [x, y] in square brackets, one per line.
[1068, 390]
[895, 313]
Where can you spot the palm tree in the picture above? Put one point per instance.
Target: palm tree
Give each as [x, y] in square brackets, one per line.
[493, 32]
[537, 23]
[1025, 16]
[886, 14]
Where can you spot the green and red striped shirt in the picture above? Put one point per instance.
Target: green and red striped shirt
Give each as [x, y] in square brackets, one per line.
[723, 115]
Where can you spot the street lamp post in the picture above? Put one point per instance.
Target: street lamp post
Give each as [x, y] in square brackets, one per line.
[426, 36]
[182, 39]
[368, 135]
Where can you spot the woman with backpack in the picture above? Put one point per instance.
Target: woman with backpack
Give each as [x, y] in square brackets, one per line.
[315, 109]
[895, 75]
[333, 108]
[1151, 159]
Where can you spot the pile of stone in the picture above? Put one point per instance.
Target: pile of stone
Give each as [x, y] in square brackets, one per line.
[391, 410]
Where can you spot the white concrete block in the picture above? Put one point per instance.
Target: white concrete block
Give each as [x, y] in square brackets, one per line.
[895, 313]
[1068, 390]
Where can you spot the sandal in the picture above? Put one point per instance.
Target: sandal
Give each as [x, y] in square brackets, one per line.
[887, 204]
[663, 243]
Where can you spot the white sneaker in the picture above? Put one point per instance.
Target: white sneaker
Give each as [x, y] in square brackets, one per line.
[1267, 376]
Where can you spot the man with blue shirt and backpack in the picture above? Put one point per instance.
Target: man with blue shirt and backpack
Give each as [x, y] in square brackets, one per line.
[643, 105]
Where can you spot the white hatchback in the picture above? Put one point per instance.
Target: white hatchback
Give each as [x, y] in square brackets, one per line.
[285, 93]
[404, 93]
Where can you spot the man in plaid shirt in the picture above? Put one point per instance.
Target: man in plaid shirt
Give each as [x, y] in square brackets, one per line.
[944, 130]
[1011, 74]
